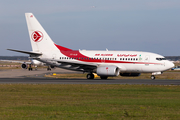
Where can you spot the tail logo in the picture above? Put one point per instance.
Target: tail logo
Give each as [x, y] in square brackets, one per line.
[37, 36]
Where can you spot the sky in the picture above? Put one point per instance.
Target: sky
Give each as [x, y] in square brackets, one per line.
[124, 25]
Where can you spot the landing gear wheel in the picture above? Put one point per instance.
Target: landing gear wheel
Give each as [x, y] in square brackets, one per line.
[153, 77]
[30, 69]
[103, 77]
[48, 68]
[90, 76]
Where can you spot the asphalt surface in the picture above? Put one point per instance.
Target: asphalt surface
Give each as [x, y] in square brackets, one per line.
[85, 81]
[37, 77]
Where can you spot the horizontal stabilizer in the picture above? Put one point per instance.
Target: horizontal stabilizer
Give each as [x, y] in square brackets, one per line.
[26, 52]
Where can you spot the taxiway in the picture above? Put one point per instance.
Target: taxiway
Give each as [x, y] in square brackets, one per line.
[16, 76]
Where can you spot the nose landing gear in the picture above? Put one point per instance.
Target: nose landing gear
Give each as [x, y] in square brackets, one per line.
[153, 77]
[155, 73]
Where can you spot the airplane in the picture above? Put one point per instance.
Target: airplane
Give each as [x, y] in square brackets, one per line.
[36, 63]
[103, 63]
[28, 65]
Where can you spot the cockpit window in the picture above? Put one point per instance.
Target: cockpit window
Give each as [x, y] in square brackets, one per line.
[160, 58]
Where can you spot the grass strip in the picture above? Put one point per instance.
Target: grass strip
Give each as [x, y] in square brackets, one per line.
[102, 102]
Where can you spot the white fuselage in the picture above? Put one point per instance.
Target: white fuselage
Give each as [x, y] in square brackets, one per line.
[126, 61]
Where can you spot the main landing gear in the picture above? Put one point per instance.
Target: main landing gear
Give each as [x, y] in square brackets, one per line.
[91, 76]
[49, 68]
[30, 68]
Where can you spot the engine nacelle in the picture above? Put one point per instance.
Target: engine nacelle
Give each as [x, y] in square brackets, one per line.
[108, 71]
[36, 62]
[130, 74]
[24, 66]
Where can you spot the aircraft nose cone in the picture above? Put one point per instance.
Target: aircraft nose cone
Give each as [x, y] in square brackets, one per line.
[170, 65]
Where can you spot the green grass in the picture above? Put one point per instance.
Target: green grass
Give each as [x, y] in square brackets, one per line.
[100, 102]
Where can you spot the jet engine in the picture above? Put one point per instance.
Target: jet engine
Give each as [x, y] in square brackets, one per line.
[24, 66]
[108, 71]
[130, 74]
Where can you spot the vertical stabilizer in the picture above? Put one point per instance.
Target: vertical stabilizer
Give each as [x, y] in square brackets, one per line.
[40, 40]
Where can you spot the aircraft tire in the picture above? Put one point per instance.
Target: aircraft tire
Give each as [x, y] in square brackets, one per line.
[153, 77]
[30, 69]
[90, 76]
[48, 69]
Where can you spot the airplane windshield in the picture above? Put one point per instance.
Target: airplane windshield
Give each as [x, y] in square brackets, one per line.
[160, 58]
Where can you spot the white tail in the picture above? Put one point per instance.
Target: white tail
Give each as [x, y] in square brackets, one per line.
[40, 40]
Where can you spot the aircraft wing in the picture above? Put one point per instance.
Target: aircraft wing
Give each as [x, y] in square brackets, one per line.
[81, 65]
[15, 61]
[26, 52]
[72, 65]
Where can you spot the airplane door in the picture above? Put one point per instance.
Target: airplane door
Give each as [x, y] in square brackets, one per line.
[146, 60]
[146, 66]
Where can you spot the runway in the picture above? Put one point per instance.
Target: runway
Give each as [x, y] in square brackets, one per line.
[17, 76]
[85, 81]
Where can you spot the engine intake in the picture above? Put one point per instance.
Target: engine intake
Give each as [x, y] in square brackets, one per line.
[24, 66]
[108, 71]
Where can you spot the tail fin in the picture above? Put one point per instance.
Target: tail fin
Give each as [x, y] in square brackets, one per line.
[40, 40]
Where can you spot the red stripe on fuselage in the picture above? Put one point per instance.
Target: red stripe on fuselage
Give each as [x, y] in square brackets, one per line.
[75, 54]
